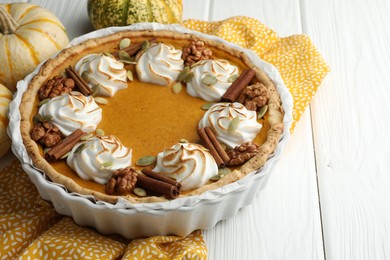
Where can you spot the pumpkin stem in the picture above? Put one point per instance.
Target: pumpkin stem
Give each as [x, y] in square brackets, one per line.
[7, 23]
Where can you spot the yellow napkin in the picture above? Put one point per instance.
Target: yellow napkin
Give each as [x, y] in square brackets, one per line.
[301, 66]
[29, 226]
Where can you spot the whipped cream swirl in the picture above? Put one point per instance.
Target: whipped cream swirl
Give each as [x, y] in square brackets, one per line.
[103, 70]
[219, 116]
[97, 158]
[160, 64]
[222, 70]
[73, 111]
[190, 164]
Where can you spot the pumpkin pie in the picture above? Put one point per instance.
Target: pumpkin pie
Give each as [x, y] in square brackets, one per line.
[149, 116]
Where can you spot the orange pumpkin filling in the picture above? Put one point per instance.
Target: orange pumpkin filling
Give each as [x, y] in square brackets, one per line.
[148, 118]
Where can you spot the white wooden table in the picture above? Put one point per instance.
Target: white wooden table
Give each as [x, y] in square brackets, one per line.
[329, 196]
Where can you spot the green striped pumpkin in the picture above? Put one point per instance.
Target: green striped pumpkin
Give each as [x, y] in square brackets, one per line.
[105, 13]
[28, 35]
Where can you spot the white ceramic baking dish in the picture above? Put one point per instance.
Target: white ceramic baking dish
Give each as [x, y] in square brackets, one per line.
[180, 216]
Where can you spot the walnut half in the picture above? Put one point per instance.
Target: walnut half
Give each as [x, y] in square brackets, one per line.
[56, 86]
[122, 181]
[254, 96]
[196, 51]
[47, 133]
[241, 154]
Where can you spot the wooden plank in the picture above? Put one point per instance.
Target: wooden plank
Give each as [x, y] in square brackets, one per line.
[73, 14]
[282, 16]
[196, 9]
[12, 1]
[284, 220]
[351, 125]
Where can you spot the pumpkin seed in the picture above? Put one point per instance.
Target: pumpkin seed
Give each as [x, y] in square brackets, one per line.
[209, 80]
[65, 155]
[224, 171]
[86, 76]
[129, 75]
[128, 62]
[233, 125]
[187, 78]
[221, 173]
[124, 43]
[207, 106]
[99, 132]
[105, 166]
[139, 192]
[98, 89]
[43, 102]
[215, 178]
[101, 101]
[36, 119]
[232, 78]
[108, 55]
[44, 119]
[183, 73]
[103, 91]
[85, 61]
[94, 82]
[196, 64]
[183, 141]
[146, 160]
[262, 112]
[95, 90]
[80, 148]
[124, 56]
[145, 45]
[86, 137]
[173, 177]
[177, 88]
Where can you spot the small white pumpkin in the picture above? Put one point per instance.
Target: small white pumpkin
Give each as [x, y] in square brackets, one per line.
[28, 35]
[5, 99]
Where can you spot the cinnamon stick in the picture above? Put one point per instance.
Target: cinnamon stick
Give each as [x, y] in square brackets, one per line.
[157, 187]
[238, 85]
[80, 82]
[209, 145]
[132, 49]
[161, 177]
[225, 157]
[64, 146]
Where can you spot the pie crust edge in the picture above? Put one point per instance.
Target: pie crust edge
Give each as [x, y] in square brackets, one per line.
[68, 56]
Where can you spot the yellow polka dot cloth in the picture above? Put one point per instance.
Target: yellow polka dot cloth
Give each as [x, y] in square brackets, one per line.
[31, 229]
